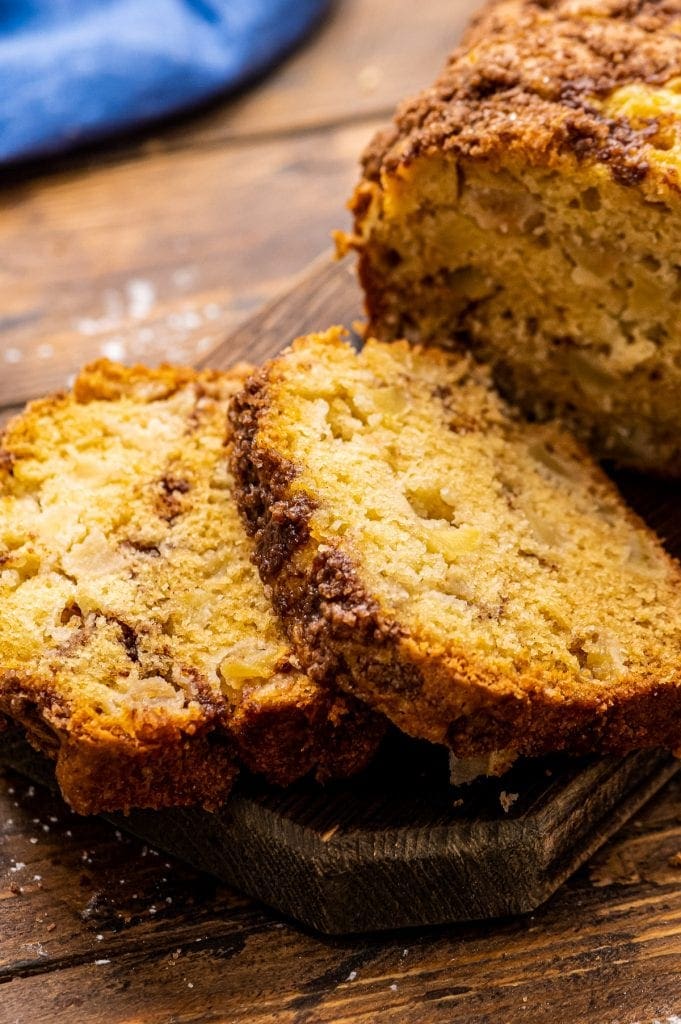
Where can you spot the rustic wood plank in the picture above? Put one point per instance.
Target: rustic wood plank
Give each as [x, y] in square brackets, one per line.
[75, 888]
[364, 59]
[161, 253]
[158, 259]
[397, 847]
[606, 948]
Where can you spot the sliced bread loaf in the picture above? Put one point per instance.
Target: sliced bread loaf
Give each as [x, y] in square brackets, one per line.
[475, 577]
[528, 205]
[136, 644]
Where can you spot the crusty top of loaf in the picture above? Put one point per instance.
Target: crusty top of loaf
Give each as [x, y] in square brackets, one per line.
[136, 643]
[550, 79]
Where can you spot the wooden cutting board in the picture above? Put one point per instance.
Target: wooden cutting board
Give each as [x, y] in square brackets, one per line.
[399, 846]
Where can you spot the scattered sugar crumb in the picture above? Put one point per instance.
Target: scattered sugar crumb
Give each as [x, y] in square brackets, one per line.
[19, 866]
[98, 963]
[507, 800]
[369, 78]
[45, 351]
[393, 988]
[352, 975]
[183, 277]
[185, 320]
[36, 948]
[190, 984]
[145, 334]
[141, 296]
[211, 311]
[33, 840]
[113, 349]
[13, 355]
[99, 938]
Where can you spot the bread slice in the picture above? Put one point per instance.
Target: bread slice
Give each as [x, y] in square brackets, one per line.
[528, 205]
[474, 576]
[137, 646]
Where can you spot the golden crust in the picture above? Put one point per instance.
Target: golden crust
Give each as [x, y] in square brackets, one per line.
[136, 647]
[530, 77]
[445, 691]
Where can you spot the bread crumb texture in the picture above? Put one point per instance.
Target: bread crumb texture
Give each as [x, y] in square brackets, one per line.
[474, 576]
[528, 206]
[136, 643]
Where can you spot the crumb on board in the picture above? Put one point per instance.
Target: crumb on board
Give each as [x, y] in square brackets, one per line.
[507, 800]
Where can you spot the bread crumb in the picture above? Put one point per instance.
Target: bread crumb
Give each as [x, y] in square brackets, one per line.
[507, 800]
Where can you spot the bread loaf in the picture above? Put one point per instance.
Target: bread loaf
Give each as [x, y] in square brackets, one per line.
[528, 206]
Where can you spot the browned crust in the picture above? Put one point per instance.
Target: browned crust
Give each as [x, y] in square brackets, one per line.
[104, 772]
[525, 79]
[195, 758]
[341, 633]
[330, 738]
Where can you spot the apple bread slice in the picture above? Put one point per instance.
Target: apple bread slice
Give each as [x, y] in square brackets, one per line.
[137, 646]
[475, 577]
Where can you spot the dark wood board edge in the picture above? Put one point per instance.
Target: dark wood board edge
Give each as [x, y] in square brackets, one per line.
[370, 879]
[326, 293]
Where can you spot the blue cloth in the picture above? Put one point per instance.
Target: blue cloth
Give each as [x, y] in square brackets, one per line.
[73, 71]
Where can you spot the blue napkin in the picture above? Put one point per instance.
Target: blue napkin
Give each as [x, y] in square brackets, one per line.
[73, 71]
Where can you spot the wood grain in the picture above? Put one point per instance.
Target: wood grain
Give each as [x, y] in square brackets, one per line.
[164, 246]
[606, 948]
[222, 230]
[366, 57]
[397, 846]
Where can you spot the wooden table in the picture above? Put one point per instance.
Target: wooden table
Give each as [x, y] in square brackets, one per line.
[158, 248]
